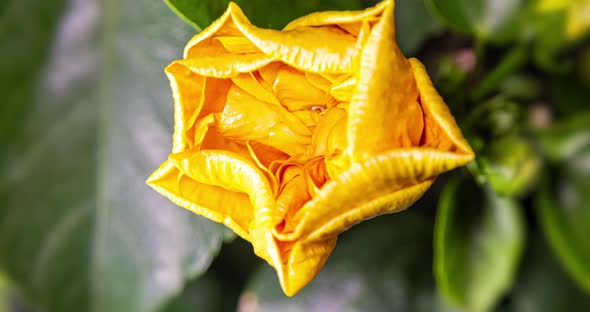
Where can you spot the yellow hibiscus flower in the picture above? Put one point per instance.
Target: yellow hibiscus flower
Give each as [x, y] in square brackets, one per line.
[291, 137]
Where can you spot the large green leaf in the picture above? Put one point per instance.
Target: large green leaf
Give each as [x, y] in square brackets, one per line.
[79, 229]
[495, 20]
[263, 13]
[479, 238]
[562, 205]
[379, 265]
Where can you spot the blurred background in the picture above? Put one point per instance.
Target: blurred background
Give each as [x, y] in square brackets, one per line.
[86, 115]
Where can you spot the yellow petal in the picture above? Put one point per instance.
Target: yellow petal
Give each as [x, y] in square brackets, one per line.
[304, 261]
[384, 183]
[293, 193]
[330, 135]
[213, 202]
[237, 44]
[339, 17]
[318, 81]
[250, 84]
[236, 173]
[225, 65]
[440, 129]
[295, 92]
[381, 111]
[343, 88]
[194, 97]
[317, 49]
[247, 118]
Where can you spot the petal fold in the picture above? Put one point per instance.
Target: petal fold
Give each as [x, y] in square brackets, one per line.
[383, 99]
[385, 183]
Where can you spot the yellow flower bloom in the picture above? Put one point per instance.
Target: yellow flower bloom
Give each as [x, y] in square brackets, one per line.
[291, 137]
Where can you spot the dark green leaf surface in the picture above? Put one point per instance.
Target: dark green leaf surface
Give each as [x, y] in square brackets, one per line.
[479, 237]
[79, 229]
[563, 210]
[379, 265]
[414, 24]
[494, 20]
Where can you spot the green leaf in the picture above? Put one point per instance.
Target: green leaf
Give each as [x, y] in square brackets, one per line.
[414, 24]
[512, 165]
[379, 265]
[263, 13]
[562, 205]
[79, 229]
[493, 20]
[566, 139]
[479, 237]
[543, 286]
[194, 12]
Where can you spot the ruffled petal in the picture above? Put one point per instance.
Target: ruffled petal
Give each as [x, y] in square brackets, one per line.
[317, 49]
[194, 96]
[225, 65]
[383, 111]
[247, 118]
[384, 183]
[339, 17]
[213, 202]
[440, 129]
[295, 91]
[303, 262]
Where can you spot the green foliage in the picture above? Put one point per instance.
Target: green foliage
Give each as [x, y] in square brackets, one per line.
[263, 13]
[87, 115]
[562, 205]
[479, 238]
[494, 20]
[79, 230]
[543, 286]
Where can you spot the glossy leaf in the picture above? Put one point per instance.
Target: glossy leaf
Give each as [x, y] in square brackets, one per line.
[194, 12]
[479, 237]
[494, 20]
[562, 205]
[414, 24]
[79, 230]
[263, 13]
[380, 265]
